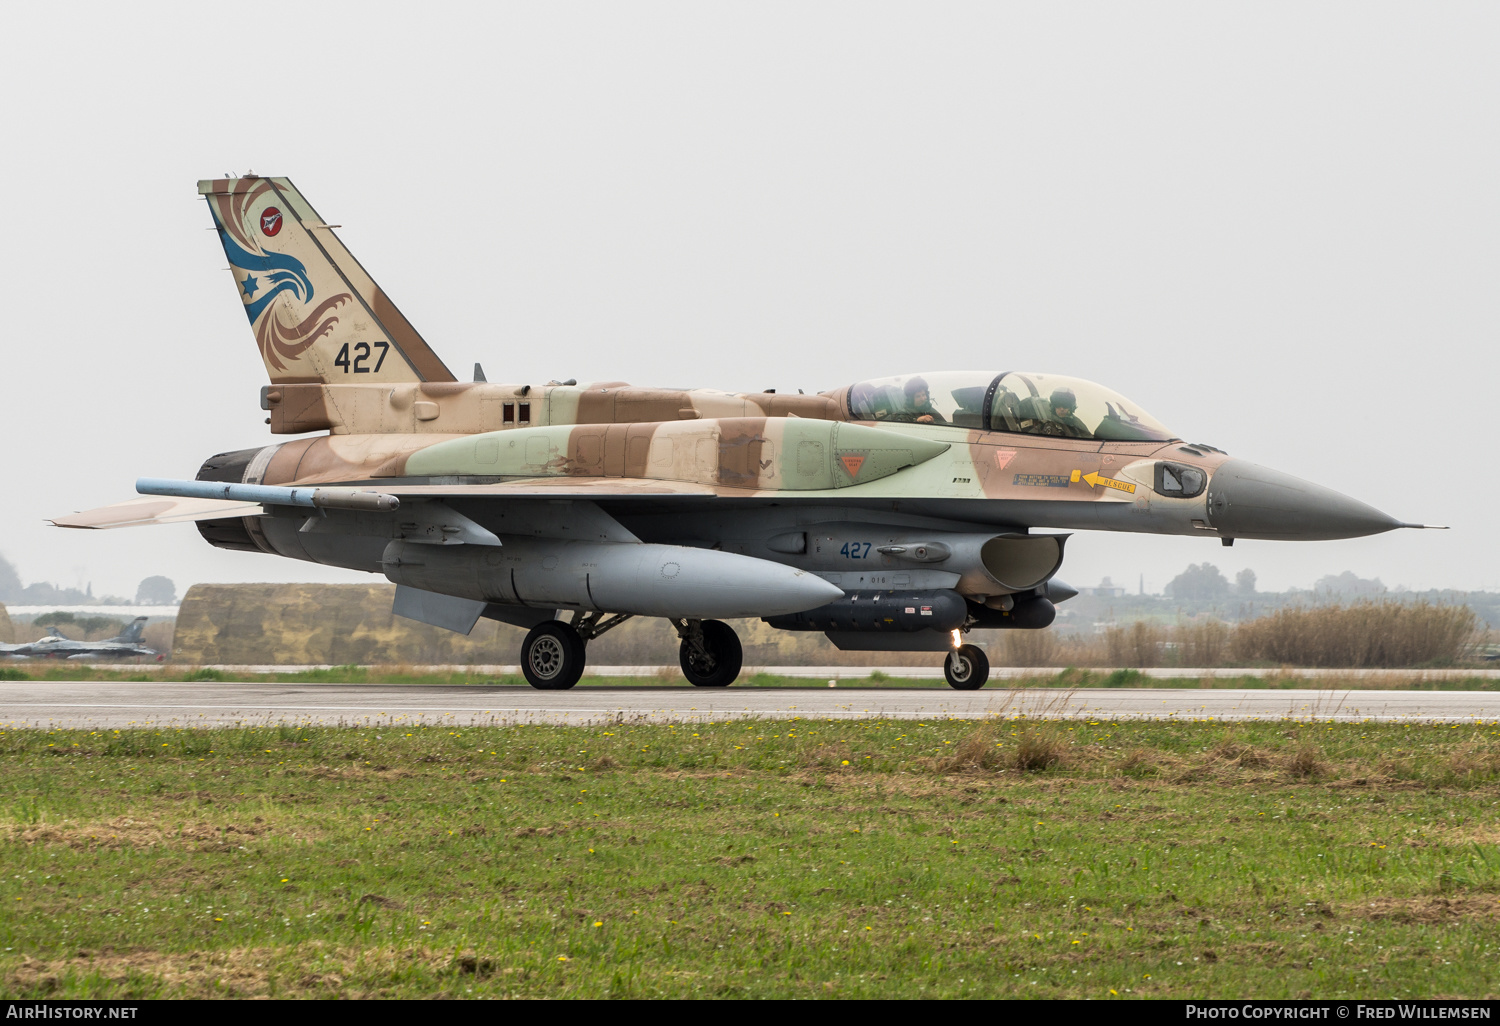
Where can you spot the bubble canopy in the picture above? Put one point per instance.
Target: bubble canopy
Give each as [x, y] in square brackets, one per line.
[1022, 402]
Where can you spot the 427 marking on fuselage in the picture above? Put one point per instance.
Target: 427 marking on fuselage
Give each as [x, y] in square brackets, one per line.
[362, 353]
[855, 550]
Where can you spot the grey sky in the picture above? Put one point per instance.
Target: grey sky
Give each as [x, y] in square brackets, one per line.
[1273, 225]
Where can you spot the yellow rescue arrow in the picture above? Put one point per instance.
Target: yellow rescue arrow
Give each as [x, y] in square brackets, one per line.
[1095, 479]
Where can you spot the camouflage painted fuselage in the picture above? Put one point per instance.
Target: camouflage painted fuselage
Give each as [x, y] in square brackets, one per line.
[613, 439]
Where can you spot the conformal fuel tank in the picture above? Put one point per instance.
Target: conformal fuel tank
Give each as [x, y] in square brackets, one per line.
[612, 577]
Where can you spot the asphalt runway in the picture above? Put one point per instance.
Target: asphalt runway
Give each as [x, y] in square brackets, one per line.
[857, 673]
[95, 705]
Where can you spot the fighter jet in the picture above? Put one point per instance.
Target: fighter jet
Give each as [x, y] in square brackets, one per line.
[897, 513]
[54, 646]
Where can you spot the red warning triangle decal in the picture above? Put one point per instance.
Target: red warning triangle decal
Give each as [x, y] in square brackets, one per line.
[852, 464]
[1004, 456]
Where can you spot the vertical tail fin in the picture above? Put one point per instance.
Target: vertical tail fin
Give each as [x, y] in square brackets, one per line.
[317, 316]
[132, 631]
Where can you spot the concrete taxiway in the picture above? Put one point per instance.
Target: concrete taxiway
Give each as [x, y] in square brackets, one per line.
[94, 705]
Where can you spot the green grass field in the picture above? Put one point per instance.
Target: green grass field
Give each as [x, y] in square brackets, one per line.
[767, 859]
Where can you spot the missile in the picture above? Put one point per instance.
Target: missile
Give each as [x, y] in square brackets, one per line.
[270, 495]
[616, 577]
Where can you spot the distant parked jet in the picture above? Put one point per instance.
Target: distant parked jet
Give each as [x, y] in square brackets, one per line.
[55, 646]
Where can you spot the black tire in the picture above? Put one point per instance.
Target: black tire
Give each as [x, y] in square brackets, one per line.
[725, 656]
[967, 668]
[552, 656]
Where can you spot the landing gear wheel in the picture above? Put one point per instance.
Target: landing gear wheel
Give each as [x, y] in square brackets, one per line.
[714, 660]
[552, 656]
[967, 668]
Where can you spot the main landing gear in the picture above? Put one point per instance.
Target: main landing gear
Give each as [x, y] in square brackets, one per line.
[553, 656]
[967, 668]
[711, 655]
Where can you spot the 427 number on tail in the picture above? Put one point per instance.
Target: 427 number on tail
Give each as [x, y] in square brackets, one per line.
[362, 354]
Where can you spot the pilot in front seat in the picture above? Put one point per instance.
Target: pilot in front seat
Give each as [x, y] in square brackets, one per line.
[1064, 404]
[1056, 418]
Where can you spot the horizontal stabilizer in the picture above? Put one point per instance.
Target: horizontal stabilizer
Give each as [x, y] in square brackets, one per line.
[157, 510]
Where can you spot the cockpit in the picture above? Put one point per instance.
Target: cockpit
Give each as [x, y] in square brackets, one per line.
[1019, 401]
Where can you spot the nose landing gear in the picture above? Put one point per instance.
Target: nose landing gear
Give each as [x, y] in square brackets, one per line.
[967, 668]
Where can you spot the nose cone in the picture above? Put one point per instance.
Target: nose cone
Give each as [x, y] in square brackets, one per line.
[1250, 501]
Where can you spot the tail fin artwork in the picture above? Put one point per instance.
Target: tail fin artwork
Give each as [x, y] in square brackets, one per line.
[132, 632]
[316, 314]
